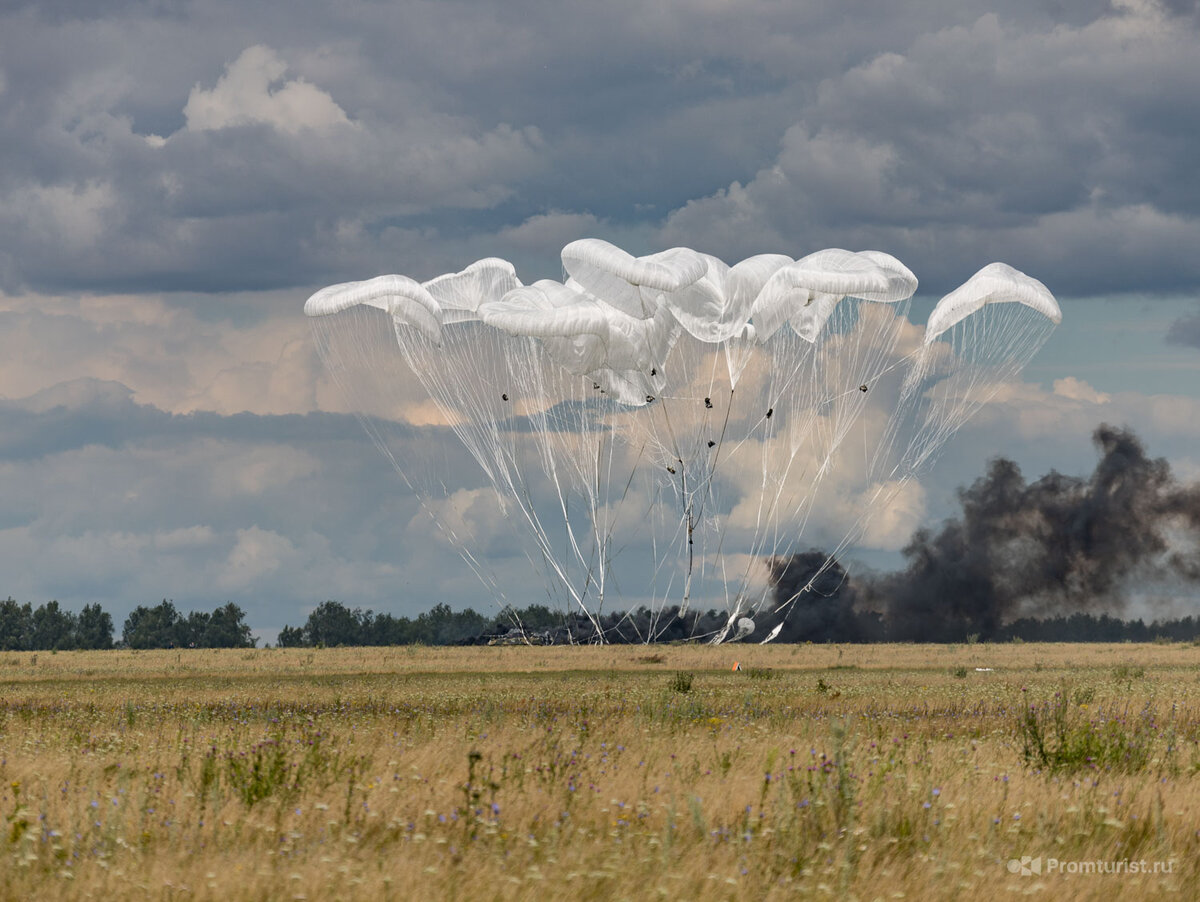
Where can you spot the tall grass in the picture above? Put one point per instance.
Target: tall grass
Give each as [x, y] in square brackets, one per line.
[591, 774]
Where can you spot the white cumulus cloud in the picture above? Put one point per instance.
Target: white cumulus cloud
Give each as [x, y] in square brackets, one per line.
[250, 92]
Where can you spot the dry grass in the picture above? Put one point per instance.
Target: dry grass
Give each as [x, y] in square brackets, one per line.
[597, 773]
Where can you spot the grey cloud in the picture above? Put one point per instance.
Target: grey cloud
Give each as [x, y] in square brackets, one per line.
[1185, 331]
[986, 142]
[92, 412]
[925, 129]
[107, 500]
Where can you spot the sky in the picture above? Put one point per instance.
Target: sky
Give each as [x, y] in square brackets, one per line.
[176, 178]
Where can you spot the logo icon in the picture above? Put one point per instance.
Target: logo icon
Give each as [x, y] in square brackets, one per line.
[1025, 866]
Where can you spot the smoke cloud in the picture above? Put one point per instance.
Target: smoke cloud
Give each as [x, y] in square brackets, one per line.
[1053, 547]
[815, 601]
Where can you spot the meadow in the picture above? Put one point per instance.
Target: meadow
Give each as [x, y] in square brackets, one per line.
[816, 771]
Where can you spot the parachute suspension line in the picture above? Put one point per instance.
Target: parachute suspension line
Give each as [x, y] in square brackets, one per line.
[851, 535]
[708, 489]
[979, 355]
[517, 491]
[338, 368]
[371, 427]
[606, 533]
[600, 533]
[685, 497]
[864, 341]
[986, 350]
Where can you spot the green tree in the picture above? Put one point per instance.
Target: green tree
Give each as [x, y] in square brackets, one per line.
[190, 630]
[534, 618]
[389, 630]
[156, 627]
[16, 625]
[291, 637]
[227, 628]
[442, 626]
[94, 628]
[332, 623]
[434, 625]
[52, 628]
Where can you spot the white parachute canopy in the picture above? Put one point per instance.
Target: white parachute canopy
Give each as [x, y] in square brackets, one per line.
[460, 294]
[633, 285]
[408, 302]
[977, 339]
[996, 283]
[806, 292]
[658, 428]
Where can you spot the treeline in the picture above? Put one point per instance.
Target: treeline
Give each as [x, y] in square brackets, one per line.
[332, 623]
[164, 627]
[1099, 628]
[50, 628]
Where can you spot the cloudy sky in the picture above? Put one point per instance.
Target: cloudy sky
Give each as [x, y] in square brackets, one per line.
[177, 177]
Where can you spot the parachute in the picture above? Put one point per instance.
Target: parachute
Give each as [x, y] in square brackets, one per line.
[659, 428]
[406, 301]
[977, 339]
[995, 283]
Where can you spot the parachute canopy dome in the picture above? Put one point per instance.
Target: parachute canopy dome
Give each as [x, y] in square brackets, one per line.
[996, 283]
[806, 292]
[631, 284]
[669, 410]
[407, 301]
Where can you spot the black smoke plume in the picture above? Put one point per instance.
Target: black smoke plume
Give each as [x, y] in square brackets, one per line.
[815, 601]
[1050, 548]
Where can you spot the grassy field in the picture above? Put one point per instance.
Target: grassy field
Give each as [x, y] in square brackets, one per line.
[880, 772]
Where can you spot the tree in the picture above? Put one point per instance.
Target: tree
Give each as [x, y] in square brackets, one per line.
[94, 628]
[332, 623]
[16, 625]
[52, 628]
[291, 637]
[436, 625]
[156, 627]
[532, 619]
[227, 628]
[191, 630]
[389, 630]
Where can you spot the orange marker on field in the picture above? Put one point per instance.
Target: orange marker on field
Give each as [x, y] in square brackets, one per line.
[736, 666]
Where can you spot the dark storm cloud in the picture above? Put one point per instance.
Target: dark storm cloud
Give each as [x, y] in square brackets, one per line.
[1056, 136]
